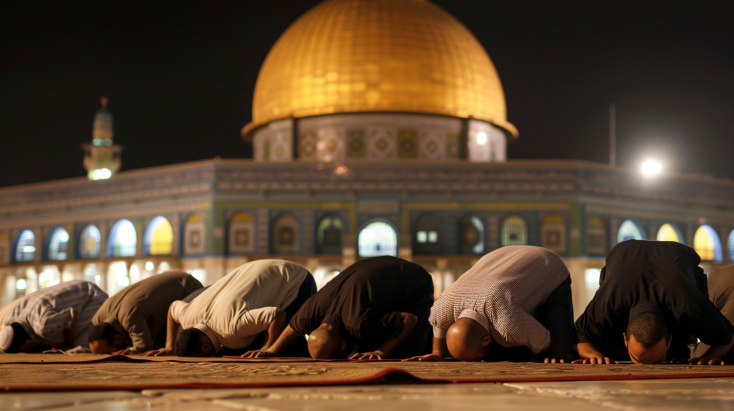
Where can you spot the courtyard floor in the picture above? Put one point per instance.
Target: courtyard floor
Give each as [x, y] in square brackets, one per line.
[114, 383]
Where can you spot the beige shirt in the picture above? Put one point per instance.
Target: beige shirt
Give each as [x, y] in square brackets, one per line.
[236, 308]
[501, 292]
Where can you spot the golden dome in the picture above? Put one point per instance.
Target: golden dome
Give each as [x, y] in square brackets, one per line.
[351, 56]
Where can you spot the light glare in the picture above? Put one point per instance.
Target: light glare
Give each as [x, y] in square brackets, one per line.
[651, 168]
[481, 138]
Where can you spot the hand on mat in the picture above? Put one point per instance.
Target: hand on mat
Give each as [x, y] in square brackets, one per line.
[373, 355]
[706, 361]
[595, 360]
[258, 354]
[426, 357]
[554, 361]
[159, 353]
[124, 352]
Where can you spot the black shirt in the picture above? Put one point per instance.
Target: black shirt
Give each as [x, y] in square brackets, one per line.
[366, 299]
[652, 276]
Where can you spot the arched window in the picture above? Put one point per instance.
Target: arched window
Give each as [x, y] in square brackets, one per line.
[514, 231]
[471, 234]
[329, 235]
[730, 243]
[285, 235]
[629, 230]
[596, 236]
[58, 244]
[553, 233]
[669, 232]
[707, 245]
[194, 237]
[241, 234]
[158, 239]
[427, 235]
[123, 240]
[89, 242]
[377, 238]
[25, 246]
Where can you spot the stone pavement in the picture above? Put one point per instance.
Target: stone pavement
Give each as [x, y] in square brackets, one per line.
[683, 394]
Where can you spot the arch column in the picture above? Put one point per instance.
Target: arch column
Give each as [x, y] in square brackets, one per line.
[405, 247]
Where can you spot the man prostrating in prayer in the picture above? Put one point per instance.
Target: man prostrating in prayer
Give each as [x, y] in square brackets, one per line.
[59, 316]
[514, 304]
[651, 303]
[134, 319]
[376, 308]
[256, 299]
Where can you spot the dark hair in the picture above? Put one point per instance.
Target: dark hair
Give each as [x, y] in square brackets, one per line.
[103, 331]
[20, 335]
[188, 343]
[648, 329]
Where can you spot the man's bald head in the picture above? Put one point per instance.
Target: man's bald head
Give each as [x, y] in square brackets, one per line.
[467, 340]
[326, 342]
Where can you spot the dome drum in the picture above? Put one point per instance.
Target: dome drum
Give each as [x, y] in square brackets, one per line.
[379, 136]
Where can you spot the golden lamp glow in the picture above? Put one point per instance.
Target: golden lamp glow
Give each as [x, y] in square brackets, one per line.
[351, 56]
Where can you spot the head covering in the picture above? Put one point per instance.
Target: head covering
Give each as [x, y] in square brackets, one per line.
[6, 337]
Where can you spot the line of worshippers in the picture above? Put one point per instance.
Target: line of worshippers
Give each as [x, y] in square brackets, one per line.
[514, 304]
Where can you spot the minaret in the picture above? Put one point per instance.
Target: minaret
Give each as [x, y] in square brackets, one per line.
[102, 157]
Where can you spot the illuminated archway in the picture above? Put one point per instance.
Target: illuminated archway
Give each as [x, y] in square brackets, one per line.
[89, 242]
[158, 238]
[58, 244]
[25, 246]
[123, 240]
[427, 235]
[707, 244]
[514, 231]
[471, 235]
[629, 230]
[669, 232]
[329, 235]
[377, 238]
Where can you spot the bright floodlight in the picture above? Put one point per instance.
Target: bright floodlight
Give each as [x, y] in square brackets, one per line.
[651, 168]
[481, 138]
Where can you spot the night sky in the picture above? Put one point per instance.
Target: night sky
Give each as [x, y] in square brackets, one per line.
[180, 79]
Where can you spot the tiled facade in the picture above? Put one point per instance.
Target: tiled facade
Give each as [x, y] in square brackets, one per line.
[444, 215]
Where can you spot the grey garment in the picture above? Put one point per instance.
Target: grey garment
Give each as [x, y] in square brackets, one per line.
[140, 311]
[47, 313]
[721, 294]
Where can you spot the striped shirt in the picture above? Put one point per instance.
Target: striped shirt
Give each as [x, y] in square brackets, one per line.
[501, 292]
[47, 313]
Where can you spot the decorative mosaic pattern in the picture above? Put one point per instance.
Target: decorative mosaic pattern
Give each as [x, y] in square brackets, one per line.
[330, 146]
[307, 146]
[432, 145]
[356, 143]
[381, 142]
[281, 148]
